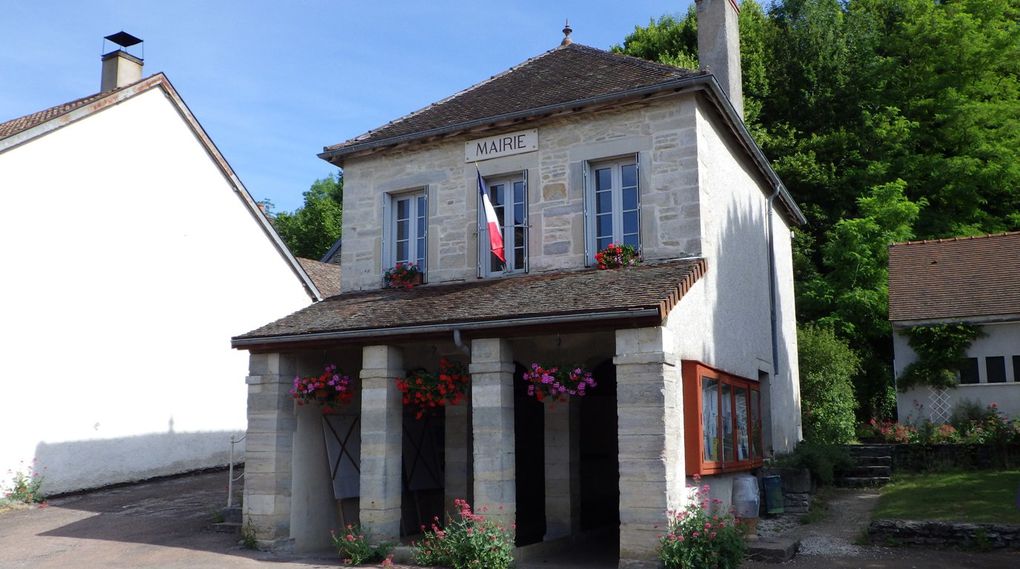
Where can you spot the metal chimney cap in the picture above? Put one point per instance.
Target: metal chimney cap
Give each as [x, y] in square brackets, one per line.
[123, 39]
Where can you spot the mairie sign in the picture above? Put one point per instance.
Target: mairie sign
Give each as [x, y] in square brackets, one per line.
[503, 145]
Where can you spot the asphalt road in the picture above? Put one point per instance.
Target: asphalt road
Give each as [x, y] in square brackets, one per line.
[167, 525]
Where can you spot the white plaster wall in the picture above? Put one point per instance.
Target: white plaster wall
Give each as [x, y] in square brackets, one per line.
[1001, 339]
[662, 133]
[724, 320]
[130, 262]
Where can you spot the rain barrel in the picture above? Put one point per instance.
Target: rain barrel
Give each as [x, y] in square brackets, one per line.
[745, 496]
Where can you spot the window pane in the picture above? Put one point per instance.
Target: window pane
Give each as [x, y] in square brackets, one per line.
[402, 256]
[630, 198]
[630, 222]
[604, 227]
[403, 229]
[710, 416]
[495, 265]
[633, 240]
[519, 192]
[603, 242]
[743, 437]
[519, 214]
[420, 228]
[421, 253]
[603, 202]
[755, 424]
[726, 411]
[629, 172]
[496, 194]
[403, 209]
[1016, 369]
[996, 368]
[969, 371]
[603, 179]
[519, 258]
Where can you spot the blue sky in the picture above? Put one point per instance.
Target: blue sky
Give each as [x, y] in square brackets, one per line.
[275, 81]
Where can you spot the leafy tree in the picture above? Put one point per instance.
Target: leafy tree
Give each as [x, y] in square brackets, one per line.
[827, 368]
[313, 228]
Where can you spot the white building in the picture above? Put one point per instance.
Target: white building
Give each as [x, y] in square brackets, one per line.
[970, 280]
[694, 350]
[132, 251]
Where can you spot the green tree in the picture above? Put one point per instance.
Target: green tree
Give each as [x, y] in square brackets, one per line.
[827, 368]
[313, 228]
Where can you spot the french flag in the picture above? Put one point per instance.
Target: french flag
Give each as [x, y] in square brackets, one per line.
[495, 234]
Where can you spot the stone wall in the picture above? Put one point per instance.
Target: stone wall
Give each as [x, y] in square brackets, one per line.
[923, 458]
[945, 534]
[798, 489]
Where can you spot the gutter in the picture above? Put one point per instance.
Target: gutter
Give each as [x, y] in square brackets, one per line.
[452, 327]
[770, 243]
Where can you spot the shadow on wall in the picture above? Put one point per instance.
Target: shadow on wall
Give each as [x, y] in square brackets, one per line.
[82, 465]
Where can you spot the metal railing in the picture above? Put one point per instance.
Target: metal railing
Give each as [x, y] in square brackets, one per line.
[234, 439]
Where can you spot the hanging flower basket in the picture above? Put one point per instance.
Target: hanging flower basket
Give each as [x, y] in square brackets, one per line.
[557, 384]
[428, 391]
[403, 275]
[331, 390]
[617, 256]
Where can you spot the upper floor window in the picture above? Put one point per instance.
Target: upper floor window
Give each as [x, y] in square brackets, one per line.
[509, 196]
[613, 198]
[408, 229]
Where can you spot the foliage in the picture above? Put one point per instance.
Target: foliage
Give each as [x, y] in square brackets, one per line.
[427, 391]
[331, 389]
[312, 229]
[556, 383]
[402, 275]
[823, 460]
[974, 496]
[911, 103]
[940, 351]
[617, 256]
[249, 535]
[827, 368]
[701, 536]
[969, 424]
[25, 486]
[467, 541]
[354, 547]
[886, 431]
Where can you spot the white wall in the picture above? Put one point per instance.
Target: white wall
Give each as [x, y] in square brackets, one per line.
[724, 320]
[1002, 339]
[130, 262]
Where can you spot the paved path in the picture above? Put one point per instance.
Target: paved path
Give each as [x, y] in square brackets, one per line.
[166, 525]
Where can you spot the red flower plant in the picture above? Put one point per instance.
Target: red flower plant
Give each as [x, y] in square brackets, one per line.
[617, 256]
[331, 389]
[558, 384]
[428, 391]
[403, 275]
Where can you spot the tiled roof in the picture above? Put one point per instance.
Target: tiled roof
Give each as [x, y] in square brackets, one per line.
[365, 314]
[955, 278]
[21, 124]
[326, 276]
[567, 73]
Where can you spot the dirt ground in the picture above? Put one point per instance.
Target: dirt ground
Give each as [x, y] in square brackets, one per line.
[167, 524]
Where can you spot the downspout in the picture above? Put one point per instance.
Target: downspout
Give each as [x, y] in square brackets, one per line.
[772, 285]
[457, 341]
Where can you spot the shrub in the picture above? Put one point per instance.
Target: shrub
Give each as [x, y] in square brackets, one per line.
[821, 459]
[354, 546]
[25, 487]
[827, 368]
[700, 536]
[467, 541]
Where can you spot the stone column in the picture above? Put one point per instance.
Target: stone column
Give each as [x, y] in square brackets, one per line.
[269, 447]
[562, 469]
[381, 439]
[650, 435]
[492, 421]
[313, 508]
[458, 454]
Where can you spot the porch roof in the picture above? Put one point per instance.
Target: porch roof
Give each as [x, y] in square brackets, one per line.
[638, 295]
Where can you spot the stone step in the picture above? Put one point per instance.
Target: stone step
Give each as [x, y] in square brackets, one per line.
[227, 527]
[868, 471]
[869, 450]
[232, 514]
[863, 481]
[772, 549]
[873, 460]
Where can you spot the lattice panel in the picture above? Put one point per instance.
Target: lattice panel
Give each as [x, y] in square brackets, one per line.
[938, 403]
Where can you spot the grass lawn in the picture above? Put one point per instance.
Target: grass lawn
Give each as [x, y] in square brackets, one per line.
[974, 496]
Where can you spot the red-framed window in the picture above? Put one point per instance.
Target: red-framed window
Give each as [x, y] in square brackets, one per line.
[722, 420]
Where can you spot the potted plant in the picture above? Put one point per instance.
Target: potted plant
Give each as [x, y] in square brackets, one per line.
[403, 275]
[428, 391]
[330, 389]
[557, 384]
[617, 256]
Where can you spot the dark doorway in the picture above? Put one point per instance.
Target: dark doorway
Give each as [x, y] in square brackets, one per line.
[424, 464]
[529, 450]
[600, 466]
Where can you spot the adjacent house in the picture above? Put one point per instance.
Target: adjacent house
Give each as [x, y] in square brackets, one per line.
[969, 280]
[694, 350]
[132, 250]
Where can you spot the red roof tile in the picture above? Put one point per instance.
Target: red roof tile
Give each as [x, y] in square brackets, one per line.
[326, 276]
[955, 278]
[21, 124]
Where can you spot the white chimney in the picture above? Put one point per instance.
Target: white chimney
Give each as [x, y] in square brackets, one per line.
[719, 46]
[121, 68]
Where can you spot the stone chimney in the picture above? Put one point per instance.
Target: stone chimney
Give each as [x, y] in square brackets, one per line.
[719, 46]
[121, 68]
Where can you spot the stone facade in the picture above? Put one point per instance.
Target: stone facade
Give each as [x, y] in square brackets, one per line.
[944, 534]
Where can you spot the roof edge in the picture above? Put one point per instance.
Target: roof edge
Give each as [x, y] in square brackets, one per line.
[954, 239]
